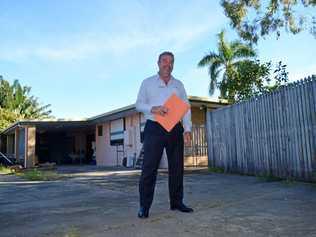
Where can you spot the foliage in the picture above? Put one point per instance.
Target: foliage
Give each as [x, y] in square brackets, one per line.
[238, 74]
[255, 18]
[16, 103]
[224, 61]
[253, 78]
[7, 117]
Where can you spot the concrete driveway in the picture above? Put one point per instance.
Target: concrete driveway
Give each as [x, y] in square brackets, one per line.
[103, 202]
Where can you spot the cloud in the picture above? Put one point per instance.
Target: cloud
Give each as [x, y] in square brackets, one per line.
[139, 30]
[179, 40]
[75, 50]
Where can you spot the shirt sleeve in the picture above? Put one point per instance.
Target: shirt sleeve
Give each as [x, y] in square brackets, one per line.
[141, 102]
[187, 123]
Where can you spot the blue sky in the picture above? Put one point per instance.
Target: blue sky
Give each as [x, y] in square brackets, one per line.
[89, 57]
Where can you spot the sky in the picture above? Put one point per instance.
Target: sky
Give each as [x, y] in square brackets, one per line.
[89, 57]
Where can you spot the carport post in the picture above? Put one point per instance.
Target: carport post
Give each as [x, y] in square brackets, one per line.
[17, 145]
[8, 144]
[30, 142]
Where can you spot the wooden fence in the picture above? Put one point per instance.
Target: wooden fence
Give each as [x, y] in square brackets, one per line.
[270, 135]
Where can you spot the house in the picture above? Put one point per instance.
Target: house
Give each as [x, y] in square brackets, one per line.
[110, 139]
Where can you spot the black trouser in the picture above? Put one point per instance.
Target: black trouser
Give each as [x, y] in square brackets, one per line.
[156, 139]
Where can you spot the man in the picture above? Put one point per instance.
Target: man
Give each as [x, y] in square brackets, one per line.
[153, 93]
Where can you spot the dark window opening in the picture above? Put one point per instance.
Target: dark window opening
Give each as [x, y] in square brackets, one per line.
[100, 131]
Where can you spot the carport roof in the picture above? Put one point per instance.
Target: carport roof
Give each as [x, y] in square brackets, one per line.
[48, 125]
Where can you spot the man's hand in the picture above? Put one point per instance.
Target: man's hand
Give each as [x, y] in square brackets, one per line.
[187, 138]
[161, 110]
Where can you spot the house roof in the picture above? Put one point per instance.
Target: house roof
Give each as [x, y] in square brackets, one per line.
[114, 114]
[195, 101]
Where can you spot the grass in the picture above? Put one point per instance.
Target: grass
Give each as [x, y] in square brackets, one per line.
[216, 170]
[32, 174]
[38, 175]
[5, 170]
[266, 177]
[73, 232]
[269, 178]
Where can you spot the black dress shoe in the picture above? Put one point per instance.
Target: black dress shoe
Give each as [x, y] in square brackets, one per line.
[181, 207]
[143, 212]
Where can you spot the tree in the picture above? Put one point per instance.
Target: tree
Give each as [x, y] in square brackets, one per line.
[7, 117]
[255, 18]
[242, 75]
[224, 63]
[254, 78]
[16, 103]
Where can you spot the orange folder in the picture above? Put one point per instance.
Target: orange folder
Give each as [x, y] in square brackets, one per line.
[177, 108]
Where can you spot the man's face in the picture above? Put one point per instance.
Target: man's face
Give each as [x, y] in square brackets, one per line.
[165, 65]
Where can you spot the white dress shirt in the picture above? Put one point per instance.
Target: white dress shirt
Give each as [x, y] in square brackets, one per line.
[154, 92]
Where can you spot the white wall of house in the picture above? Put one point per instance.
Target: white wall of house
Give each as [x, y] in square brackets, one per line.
[132, 142]
[106, 155]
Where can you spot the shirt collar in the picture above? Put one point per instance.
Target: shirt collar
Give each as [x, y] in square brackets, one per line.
[162, 83]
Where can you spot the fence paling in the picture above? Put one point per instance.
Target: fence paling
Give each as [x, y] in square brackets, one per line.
[273, 134]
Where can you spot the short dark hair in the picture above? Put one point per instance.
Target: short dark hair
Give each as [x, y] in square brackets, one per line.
[165, 53]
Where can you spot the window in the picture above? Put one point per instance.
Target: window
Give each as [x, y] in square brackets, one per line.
[100, 130]
[117, 128]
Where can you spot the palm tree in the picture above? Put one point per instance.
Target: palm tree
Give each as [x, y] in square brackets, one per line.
[224, 64]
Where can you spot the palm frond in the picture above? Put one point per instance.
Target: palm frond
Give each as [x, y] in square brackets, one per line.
[224, 48]
[214, 74]
[208, 59]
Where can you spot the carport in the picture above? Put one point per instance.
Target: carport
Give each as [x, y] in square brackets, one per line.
[34, 142]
